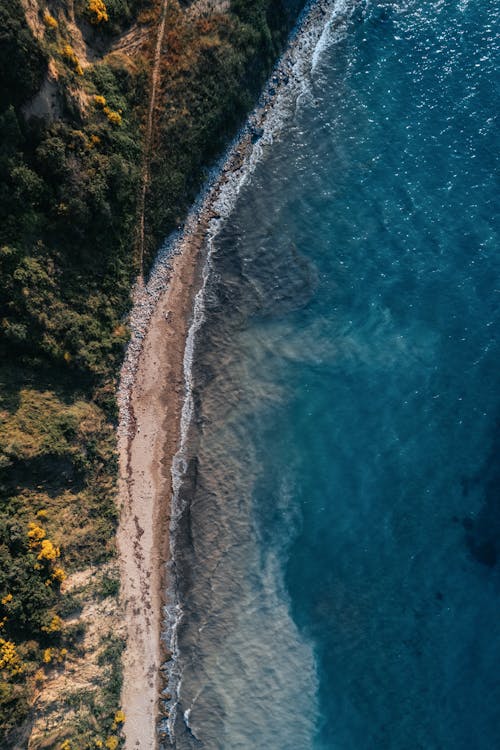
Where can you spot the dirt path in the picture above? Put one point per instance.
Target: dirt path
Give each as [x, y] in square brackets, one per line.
[149, 134]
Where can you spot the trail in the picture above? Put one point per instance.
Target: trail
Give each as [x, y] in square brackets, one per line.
[149, 135]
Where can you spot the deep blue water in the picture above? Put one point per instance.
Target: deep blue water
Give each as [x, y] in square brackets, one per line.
[341, 578]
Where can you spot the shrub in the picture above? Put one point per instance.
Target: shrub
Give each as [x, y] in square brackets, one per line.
[58, 575]
[97, 11]
[108, 586]
[54, 626]
[23, 62]
[114, 117]
[48, 551]
[10, 661]
[49, 21]
[69, 55]
[35, 533]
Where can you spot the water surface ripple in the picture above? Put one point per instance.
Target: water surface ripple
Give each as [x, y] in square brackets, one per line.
[339, 555]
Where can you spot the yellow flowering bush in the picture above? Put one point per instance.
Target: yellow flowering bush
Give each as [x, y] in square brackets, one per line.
[54, 655]
[54, 626]
[112, 742]
[48, 551]
[49, 21]
[69, 55]
[118, 720]
[92, 141]
[114, 117]
[9, 658]
[35, 533]
[98, 12]
[39, 677]
[59, 575]
[7, 599]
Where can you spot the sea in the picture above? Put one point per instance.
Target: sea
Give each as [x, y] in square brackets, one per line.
[336, 548]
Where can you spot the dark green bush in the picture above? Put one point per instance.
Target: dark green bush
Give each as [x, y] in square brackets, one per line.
[108, 586]
[23, 62]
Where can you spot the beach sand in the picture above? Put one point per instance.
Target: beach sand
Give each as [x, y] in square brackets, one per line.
[146, 450]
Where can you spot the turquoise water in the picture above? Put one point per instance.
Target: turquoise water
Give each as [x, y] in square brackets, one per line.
[339, 572]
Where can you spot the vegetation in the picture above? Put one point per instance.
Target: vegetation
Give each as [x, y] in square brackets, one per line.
[71, 160]
[98, 722]
[68, 187]
[212, 72]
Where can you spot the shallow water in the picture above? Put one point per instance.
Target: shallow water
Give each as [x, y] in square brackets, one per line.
[338, 556]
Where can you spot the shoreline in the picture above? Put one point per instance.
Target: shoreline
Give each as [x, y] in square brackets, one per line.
[166, 315]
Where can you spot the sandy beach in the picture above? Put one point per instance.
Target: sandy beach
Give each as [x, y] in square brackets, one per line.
[146, 449]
